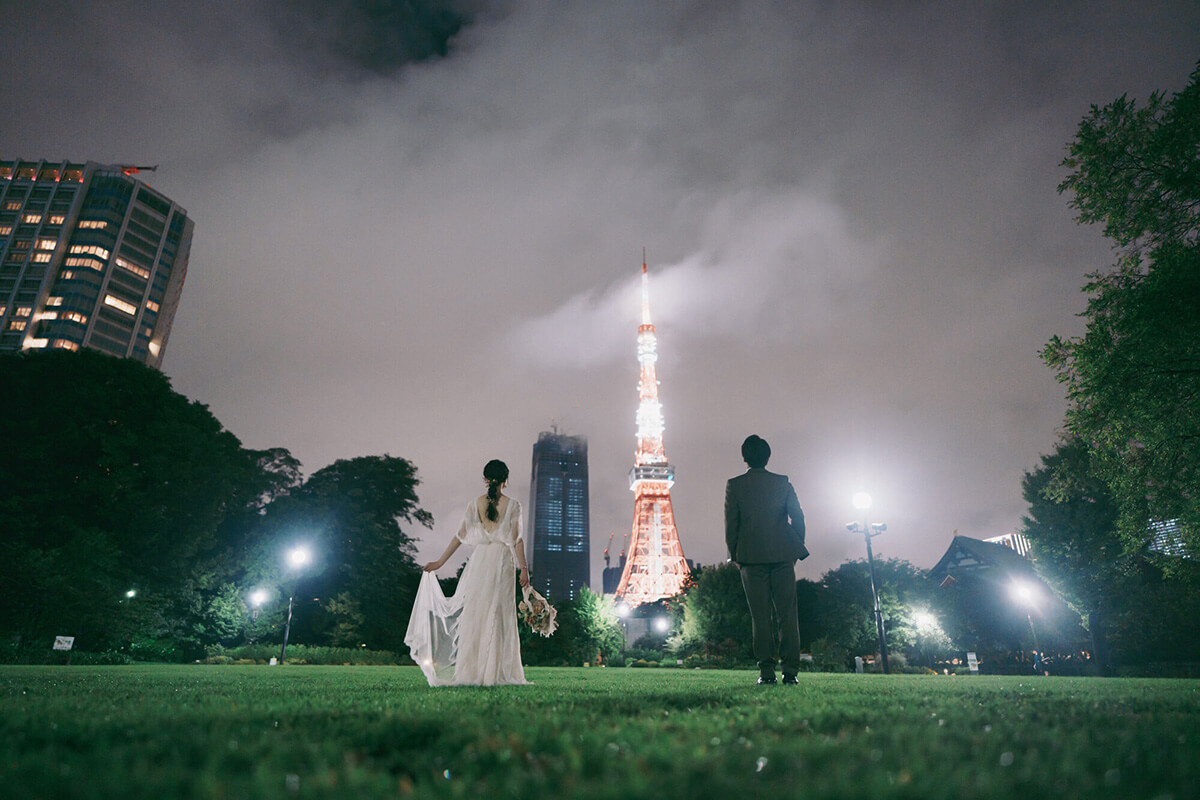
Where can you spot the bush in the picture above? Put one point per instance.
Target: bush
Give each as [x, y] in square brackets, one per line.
[299, 654]
[108, 657]
[157, 650]
[14, 654]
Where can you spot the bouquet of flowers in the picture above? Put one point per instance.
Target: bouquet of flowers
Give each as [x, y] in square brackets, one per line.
[537, 613]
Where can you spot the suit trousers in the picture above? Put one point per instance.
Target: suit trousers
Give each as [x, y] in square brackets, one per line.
[772, 587]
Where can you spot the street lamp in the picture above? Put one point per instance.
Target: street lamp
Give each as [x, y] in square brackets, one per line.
[927, 625]
[1025, 594]
[297, 558]
[257, 598]
[862, 501]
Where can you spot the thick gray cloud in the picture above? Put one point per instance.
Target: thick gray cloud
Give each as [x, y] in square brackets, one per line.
[849, 210]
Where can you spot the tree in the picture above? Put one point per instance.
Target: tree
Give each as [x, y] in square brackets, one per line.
[1133, 378]
[839, 612]
[587, 626]
[110, 482]
[716, 619]
[1072, 530]
[1138, 607]
[350, 513]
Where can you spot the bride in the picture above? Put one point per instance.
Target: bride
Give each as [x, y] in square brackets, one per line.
[471, 637]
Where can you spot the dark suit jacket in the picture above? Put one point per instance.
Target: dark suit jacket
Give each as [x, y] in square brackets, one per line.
[763, 519]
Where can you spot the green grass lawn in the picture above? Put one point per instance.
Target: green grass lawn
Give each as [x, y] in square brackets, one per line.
[229, 732]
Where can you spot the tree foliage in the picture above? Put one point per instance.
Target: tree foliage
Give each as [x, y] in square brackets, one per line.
[112, 482]
[588, 626]
[1135, 610]
[1133, 378]
[716, 620]
[1072, 529]
[839, 610]
[355, 515]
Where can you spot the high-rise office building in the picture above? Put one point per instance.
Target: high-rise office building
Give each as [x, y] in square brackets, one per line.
[89, 257]
[558, 516]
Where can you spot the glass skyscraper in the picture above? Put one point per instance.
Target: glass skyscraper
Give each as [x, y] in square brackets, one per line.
[89, 257]
[558, 516]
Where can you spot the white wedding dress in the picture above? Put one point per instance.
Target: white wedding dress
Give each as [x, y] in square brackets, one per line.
[471, 637]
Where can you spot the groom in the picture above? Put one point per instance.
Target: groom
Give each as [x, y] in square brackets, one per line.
[764, 530]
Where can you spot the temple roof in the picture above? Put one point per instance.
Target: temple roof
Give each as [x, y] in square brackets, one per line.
[968, 555]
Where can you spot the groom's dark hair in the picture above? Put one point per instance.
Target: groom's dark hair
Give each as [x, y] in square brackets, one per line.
[756, 452]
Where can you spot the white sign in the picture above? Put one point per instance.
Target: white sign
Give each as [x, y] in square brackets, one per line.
[63, 642]
[973, 663]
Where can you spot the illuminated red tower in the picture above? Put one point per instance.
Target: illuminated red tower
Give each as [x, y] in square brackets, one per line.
[655, 567]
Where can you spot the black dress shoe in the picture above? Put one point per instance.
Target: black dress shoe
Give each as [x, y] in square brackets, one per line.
[789, 680]
[766, 680]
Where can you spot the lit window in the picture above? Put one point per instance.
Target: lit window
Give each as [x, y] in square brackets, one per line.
[47, 244]
[134, 268]
[12, 205]
[152, 306]
[54, 301]
[5, 230]
[17, 325]
[23, 311]
[98, 224]
[63, 344]
[31, 219]
[48, 315]
[2, 310]
[75, 316]
[25, 174]
[119, 304]
[57, 219]
[42, 258]
[29, 343]
[89, 249]
[85, 262]
[73, 175]
[20, 244]
[66, 274]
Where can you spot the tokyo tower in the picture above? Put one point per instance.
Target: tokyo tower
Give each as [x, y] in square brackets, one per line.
[655, 567]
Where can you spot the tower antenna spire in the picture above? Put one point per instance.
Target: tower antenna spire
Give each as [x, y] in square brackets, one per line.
[655, 567]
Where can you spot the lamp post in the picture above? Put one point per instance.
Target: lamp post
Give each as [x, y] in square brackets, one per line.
[1027, 596]
[926, 625]
[297, 557]
[257, 598]
[862, 501]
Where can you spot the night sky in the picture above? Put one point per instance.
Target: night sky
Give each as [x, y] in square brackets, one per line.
[419, 231]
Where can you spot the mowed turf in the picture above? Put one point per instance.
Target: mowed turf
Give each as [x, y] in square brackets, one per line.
[241, 731]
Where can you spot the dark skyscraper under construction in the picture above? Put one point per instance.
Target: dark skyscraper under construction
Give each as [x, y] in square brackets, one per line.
[558, 516]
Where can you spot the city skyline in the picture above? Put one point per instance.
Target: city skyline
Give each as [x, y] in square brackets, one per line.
[850, 213]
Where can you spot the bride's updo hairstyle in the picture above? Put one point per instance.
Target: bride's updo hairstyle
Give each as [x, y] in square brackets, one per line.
[495, 472]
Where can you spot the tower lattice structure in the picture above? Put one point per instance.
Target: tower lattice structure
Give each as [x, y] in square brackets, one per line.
[655, 567]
